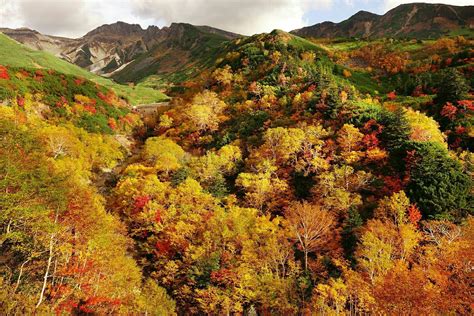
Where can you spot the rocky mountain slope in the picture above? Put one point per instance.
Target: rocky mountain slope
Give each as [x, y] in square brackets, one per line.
[14, 54]
[419, 20]
[175, 53]
[109, 48]
[159, 56]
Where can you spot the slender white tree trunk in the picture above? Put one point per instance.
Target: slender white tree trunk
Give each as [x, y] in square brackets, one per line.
[20, 274]
[46, 274]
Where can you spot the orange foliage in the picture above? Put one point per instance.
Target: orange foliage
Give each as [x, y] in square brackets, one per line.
[4, 73]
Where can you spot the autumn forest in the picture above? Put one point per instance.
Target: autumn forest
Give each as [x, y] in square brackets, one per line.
[210, 173]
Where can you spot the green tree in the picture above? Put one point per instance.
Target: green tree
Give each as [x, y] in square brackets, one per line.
[438, 185]
[350, 225]
[396, 129]
[452, 87]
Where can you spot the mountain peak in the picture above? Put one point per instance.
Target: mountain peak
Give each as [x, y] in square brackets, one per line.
[364, 15]
[418, 20]
[116, 29]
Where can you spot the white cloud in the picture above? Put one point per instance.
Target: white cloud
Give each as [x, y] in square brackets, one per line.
[74, 18]
[57, 17]
[240, 16]
[9, 14]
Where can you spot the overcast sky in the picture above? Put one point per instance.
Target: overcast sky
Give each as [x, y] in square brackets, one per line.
[74, 18]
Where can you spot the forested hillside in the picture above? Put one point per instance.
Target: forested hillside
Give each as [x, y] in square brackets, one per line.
[62, 252]
[276, 186]
[287, 176]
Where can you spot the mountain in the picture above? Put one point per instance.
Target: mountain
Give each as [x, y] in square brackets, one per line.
[14, 54]
[94, 51]
[109, 48]
[415, 20]
[175, 53]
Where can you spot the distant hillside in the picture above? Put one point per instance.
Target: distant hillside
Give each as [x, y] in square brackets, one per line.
[17, 55]
[414, 20]
[109, 48]
[183, 51]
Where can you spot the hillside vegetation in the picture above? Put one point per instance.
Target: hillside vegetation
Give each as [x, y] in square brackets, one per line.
[287, 176]
[282, 182]
[17, 55]
[59, 135]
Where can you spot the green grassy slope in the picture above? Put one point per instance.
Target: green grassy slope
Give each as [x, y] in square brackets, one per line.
[17, 55]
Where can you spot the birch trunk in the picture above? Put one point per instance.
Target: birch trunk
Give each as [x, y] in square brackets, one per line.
[46, 274]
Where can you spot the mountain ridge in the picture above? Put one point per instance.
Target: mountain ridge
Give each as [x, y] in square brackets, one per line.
[129, 53]
[14, 54]
[108, 47]
[417, 20]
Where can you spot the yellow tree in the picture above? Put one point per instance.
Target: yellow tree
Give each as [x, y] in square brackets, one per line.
[330, 298]
[164, 154]
[311, 157]
[376, 250]
[337, 188]
[310, 226]
[424, 128]
[204, 111]
[261, 188]
[252, 263]
[349, 293]
[282, 143]
[393, 208]
[222, 162]
[349, 140]
[223, 76]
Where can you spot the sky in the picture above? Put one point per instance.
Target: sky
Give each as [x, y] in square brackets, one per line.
[74, 18]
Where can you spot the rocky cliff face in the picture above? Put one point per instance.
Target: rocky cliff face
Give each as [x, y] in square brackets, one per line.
[179, 50]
